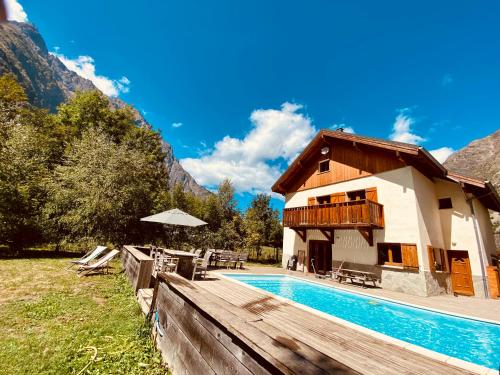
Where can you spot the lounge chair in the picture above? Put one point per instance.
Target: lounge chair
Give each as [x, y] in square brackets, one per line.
[337, 273]
[101, 265]
[201, 264]
[87, 258]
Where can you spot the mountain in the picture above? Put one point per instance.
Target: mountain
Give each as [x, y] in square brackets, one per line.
[48, 83]
[480, 159]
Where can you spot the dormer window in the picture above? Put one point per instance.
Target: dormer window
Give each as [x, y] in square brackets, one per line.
[324, 166]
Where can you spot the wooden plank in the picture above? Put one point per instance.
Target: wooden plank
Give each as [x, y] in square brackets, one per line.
[359, 351]
[275, 349]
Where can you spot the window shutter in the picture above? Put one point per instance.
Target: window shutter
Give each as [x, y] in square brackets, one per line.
[443, 260]
[371, 194]
[409, 255]
[430, 251]
[337, 198]
[311, 201]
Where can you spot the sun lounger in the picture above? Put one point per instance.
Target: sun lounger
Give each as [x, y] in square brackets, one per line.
[87, 258]
[100, 266]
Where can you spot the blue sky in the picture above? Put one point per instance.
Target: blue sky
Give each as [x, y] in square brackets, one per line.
[238, 88]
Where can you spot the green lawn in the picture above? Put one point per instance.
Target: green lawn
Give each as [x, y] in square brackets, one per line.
[51, 322]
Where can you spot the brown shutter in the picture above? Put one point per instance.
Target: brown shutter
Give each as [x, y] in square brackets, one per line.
[311, 201]
[444, 263]
[371, 194]
[337, 198]
[430, 252]
[409, 255]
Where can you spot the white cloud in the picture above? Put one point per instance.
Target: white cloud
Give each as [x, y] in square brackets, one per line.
[15, 11]
[84, 66]
[177, 124]
[345, 127]
[276, 135]
[441, 154]
[402, 131]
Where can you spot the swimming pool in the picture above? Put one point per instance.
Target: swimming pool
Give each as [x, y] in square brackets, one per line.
[467, 339]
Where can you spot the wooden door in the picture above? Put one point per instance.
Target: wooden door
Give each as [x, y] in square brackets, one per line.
[461, 275]
[320, 255]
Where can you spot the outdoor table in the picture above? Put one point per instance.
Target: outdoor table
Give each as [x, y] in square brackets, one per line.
[186, 262]
[356, 275]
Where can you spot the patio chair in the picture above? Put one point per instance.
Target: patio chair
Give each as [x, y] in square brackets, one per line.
[197, 252]
[87, 258]
[201, 264]
[100, 266]
[169, 264]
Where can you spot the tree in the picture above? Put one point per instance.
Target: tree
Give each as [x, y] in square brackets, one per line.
[93, 110]
[24, 165]
[102, 190]
[26, 158]
[261, 223]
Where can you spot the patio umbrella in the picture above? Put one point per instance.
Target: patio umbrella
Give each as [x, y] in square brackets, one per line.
[175, 217]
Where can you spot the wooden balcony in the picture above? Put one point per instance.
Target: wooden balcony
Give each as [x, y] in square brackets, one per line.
[364, 215]
[353, 214]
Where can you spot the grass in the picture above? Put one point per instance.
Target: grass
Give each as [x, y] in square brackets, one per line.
[52, 322]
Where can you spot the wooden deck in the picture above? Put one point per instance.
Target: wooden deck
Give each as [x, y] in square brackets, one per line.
[301, 342]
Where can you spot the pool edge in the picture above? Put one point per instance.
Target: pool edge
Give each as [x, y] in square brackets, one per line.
[457, 362]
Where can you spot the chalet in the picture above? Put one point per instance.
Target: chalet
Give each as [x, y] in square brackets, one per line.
[389, 208]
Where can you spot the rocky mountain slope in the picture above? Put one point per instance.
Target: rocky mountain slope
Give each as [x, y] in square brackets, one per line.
[480, 159]
[48, 83]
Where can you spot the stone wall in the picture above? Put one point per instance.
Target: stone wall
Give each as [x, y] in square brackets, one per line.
[404, 280]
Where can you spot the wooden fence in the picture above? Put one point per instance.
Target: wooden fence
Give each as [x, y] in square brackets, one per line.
[137, 266]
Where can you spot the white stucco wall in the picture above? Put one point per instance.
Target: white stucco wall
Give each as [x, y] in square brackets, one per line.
[486, 230]
[457, 224]
[429, 222]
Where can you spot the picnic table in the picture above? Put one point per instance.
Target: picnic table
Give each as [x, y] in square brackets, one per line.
[356, 276]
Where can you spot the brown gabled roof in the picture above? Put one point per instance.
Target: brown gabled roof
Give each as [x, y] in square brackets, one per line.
[413, 155]
[413, 152]
[484, 191]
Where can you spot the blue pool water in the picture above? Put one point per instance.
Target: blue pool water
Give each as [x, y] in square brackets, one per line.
[471, 340]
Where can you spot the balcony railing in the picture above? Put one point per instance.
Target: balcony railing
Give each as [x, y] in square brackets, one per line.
[359, 213]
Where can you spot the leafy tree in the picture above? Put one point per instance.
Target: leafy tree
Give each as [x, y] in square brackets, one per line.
[24, 164]
[27, 154]
[261, 223]
[93, 110]
[101, 191]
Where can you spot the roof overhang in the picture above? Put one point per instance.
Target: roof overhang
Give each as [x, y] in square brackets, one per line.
[484, 191]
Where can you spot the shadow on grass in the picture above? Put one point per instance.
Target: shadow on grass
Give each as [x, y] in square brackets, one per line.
[38, 254]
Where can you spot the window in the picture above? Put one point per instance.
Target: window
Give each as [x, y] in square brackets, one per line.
[445, 203]
[437, 259]
[356, 195]
[324, 166]
[323, 200]
[398, 254]
[389, 254]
